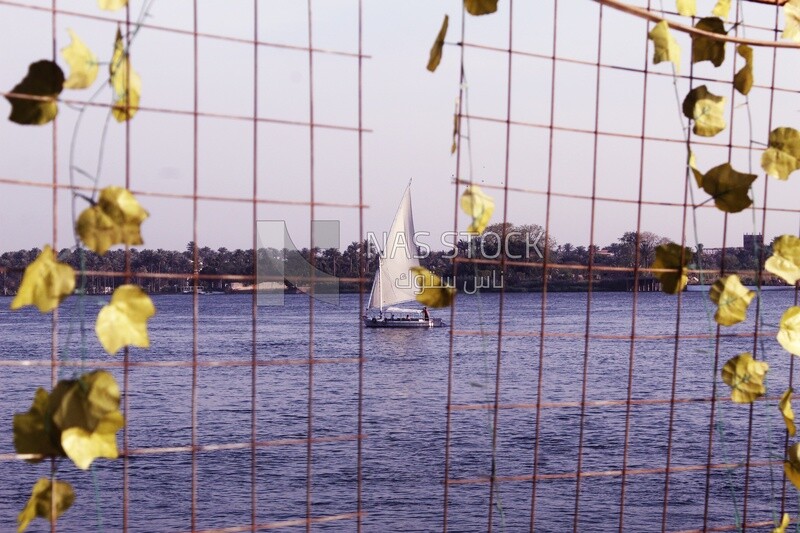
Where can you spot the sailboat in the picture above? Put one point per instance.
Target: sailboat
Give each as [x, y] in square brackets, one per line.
[393, 284]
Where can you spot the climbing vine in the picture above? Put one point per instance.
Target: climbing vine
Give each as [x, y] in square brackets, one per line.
[80, 417]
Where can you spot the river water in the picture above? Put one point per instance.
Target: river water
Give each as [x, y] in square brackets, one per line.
[404, 416]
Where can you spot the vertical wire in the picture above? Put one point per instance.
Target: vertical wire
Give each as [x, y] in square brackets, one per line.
[454, 263]
[500, 317]
[759, 270]
[196, 262]
[254, 300]
[584, 382]
[126, 350]
[361, 273]
[718, 328]
[636, 272]
[545, 261]
[312, 258]
[54, 317]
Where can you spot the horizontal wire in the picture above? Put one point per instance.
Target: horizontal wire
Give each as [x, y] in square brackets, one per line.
[591, 403]
[205, 197]
[179, 31]
[214, 363]
[609, 336]
[286, 523]
[609, 473]
[164, 450]
[191, 113]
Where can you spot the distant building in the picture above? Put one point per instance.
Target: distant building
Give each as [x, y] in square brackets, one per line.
[752, 241]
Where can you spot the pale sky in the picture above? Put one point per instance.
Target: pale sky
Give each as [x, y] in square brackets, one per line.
[408, 109]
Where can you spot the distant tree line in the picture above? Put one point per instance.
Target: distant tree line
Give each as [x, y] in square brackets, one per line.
[524, 249]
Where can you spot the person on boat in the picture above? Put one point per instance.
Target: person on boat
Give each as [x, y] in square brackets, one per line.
[425, 314]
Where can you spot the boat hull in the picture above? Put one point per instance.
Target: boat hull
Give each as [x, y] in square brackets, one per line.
[401, 323]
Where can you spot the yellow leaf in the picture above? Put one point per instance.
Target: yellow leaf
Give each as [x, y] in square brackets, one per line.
[785, 259]
[707, 48]
[87, 413]
[480, 7]
[85, 402]
[127, 84]
[33, 431]
[83, 65]
[40, 504]
[745, 376]
[687, 8]
[44, 79]
[722, 9]
[732, 299]
[672, 256]
[789, 330]
[115, 219]
[112, 5]
[782, 157]
[84, 447]
[791, 13]
[45, 283]
[456, 123]
[698, 176]
[432, 291]
[706, 110]
[791, 466]
[478, 205]
[438, 45]
[665, 45]
[727, 187]
[783, 525]
[785, 406]
[123, 322]
[743, 80]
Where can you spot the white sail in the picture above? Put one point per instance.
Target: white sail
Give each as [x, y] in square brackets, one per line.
[393, 283]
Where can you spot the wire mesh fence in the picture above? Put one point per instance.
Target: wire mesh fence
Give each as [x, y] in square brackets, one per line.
[538, 410]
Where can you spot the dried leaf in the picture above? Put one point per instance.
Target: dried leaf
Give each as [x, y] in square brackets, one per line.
[115, 219]
[83, 65]
[785, 406]
[45, 283]
[785, 259]
[687, 8]
[33, 431]
[665, 46]
[480, 7]
[791, 466]
[126, 91]
[432, 291]
[672, 256]
[732, 299]
[44, 79]
[782, 157]
[478, 205]
[112, 5]
[706, 110]
[707, 48]
[789, 330]
[791, 13]
[783, 525]
[743, 80]
[727, 187]
[40, 504]
[745, 376]
[123, 322]
[722, 9]
[438, 45]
